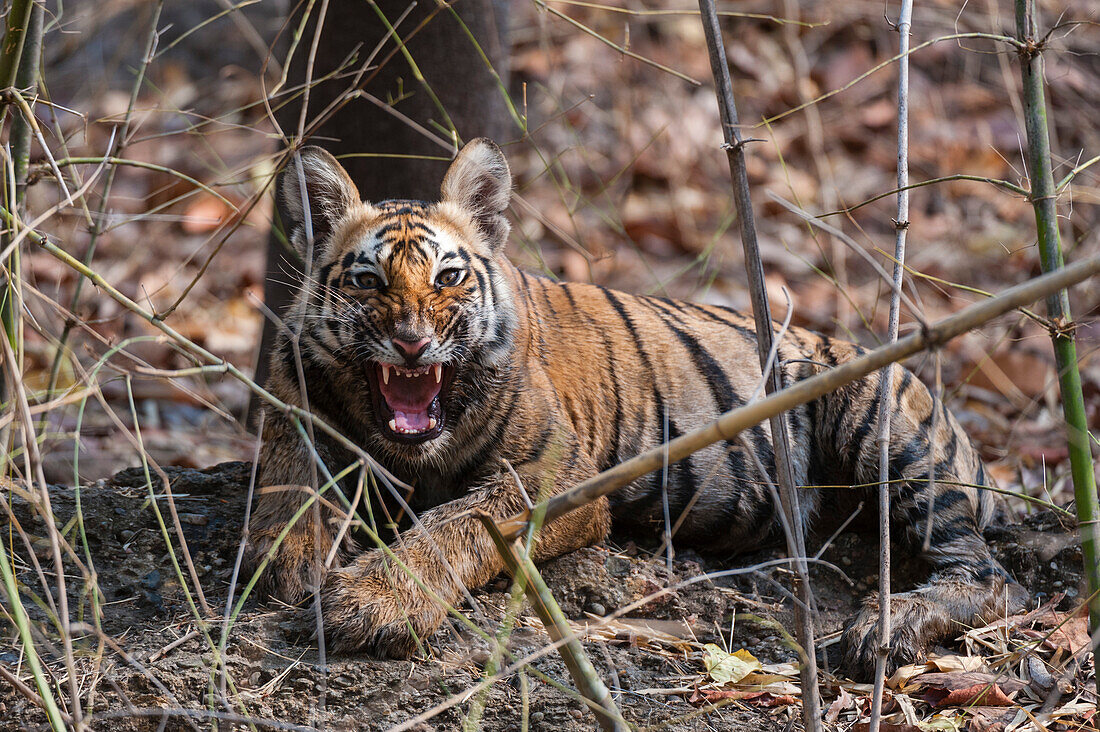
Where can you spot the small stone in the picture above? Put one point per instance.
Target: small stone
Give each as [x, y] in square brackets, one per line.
[597, 609]
[537, 717]
[576, 713]
[846, 561]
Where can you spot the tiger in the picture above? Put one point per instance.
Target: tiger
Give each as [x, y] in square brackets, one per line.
[483, 387]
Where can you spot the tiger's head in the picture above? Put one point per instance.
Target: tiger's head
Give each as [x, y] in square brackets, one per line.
[410, 294]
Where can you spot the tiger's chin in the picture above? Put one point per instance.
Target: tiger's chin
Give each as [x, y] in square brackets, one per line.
[408, 402]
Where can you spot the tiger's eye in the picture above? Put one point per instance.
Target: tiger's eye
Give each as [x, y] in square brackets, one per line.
[365, 280]
[449, 277]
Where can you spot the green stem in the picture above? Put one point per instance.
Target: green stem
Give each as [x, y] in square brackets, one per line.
[18, 66]
[1043, 200]
[23, 627]
[11, 54]
[19, 56]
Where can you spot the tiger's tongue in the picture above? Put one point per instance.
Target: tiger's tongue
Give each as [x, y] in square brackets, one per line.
[409, 398]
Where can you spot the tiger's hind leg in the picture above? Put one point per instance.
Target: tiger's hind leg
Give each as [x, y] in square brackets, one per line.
[967, 588]
[967, 585]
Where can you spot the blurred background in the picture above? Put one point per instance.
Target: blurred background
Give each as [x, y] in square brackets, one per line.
[614, 140]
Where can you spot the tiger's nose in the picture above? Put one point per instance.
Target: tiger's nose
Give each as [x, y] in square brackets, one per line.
[411, 350]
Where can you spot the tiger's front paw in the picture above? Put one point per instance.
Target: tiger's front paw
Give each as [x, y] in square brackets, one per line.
[293, 570]
[374, 606]
[916, 622]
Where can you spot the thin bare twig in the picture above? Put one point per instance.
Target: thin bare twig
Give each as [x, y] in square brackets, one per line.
[118, 141]
[886, 376]
[621, 49]
[771, 372]
[35, 474]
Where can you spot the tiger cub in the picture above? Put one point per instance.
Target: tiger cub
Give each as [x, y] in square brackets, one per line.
[472, 381]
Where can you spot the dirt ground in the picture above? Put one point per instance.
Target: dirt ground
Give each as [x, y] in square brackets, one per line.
[652, 659]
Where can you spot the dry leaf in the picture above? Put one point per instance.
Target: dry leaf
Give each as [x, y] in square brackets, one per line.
[756, 698]
[966, 679]
[841, 703]
[948, 664]
[729, 668]
[205, 215]
[990, 719]
[968, 689]
[904, 674]
[1072, 635]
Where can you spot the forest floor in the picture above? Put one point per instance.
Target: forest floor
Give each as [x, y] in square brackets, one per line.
[620, 180]
[655, 657]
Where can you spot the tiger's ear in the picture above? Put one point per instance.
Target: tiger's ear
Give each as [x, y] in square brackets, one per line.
[479, 181]
[328, 194]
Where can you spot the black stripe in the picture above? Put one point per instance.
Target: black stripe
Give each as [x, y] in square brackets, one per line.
[480, 280]
[721, 390]
[629, 325]
[869, 419]
[535, 450]
[747, 332]
[651, 376]
[548, 302]
[612, 456]
[911, 453]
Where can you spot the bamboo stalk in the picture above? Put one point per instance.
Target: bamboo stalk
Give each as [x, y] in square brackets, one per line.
[773, 376]
[19, 56]
[1043, 199]
[727, 426]
[584, 674]
[886, 378]
[19, 59]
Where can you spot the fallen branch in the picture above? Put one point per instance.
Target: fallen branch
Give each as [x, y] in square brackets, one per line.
[584, 675]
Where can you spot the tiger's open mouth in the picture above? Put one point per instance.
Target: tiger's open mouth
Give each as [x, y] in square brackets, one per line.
[408, 401]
